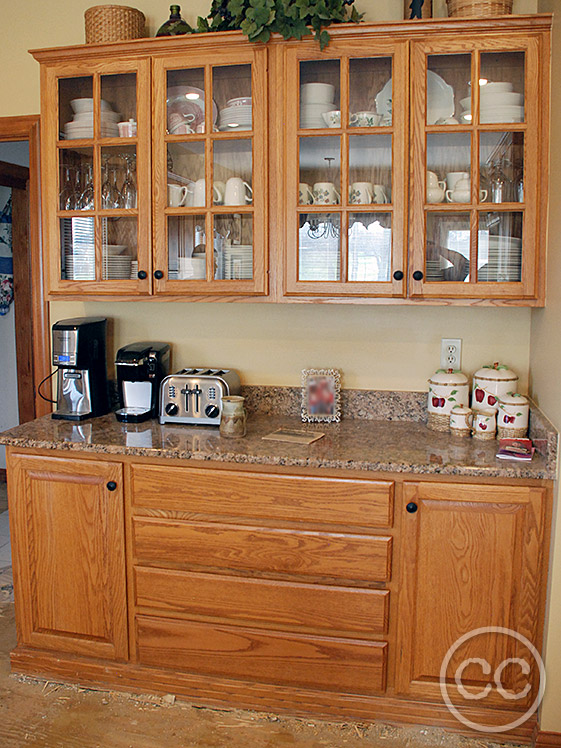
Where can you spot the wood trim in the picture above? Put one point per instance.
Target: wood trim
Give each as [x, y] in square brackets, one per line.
[27, 128]
[547, 739]
[220, 691]
[13, 175]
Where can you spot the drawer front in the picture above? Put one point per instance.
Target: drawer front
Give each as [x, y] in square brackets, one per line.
[271, 603]
[215, 545]
[333, 664]
[259, 495]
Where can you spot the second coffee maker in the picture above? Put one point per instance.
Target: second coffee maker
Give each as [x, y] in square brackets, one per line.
[140, 369]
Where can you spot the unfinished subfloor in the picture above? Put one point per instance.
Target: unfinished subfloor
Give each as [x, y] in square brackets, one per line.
[45, 714]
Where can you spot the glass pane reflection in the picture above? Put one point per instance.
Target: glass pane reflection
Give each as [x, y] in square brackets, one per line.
[370, 247]
[447, 247]
[319, 255]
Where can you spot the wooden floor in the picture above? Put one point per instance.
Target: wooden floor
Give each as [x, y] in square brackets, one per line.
[47, 715]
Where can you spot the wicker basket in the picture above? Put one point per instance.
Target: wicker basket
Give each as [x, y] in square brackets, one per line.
[505, 433]
[113, 23]
[462, 433]
[437, 422]
[479, 8]
[484, 435]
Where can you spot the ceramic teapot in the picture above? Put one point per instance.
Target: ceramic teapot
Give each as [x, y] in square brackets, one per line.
[435, 189]
[491, 382]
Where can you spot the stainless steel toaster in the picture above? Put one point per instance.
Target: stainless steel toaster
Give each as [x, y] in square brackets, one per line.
[195, 395]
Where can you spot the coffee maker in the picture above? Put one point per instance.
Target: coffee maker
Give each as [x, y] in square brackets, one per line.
[79, 355]
[140, 369]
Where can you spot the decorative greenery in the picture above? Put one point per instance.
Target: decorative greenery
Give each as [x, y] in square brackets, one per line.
[293, 19]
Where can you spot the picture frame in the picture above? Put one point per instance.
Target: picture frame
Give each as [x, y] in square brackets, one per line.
[321, 395]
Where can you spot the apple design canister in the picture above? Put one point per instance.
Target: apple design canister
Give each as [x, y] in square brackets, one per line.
[447, 388]
[485, 423]
[491, 382]
[512, 416]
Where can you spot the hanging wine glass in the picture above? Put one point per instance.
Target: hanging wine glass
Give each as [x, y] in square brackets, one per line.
[86, 201]
[115, 199]
[66, 196]
[106, 185]
[128, 192]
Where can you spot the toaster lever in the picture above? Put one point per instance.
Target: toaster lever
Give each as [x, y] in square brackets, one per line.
[197, 391]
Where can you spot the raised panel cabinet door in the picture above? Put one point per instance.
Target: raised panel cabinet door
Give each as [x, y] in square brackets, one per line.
[66, 521]
[472, 557]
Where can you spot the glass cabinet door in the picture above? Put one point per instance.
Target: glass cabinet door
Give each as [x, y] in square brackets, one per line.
[474, 206]
[100, 185]
[345, 171]
[210, 172]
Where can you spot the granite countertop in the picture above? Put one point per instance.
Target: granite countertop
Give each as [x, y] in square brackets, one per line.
[398, 446]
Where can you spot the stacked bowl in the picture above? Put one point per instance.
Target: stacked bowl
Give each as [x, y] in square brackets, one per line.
[315, 100]
[497, 103]
[236, 115]
[82, 124]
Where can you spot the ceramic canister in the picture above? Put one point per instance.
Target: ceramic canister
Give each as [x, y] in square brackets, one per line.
[513, 414]
[461, 419]
[489, 383]
[447, 388]
[485, 423]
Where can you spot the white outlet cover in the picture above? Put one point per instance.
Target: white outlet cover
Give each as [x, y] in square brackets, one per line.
[451, 353]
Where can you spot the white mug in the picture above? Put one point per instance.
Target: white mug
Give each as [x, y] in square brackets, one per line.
[305, 194]
[219, 190]
[360, 193]
[484, 423]
[379, 194]
[177, 195]
[199, 194]
[461, 418]
[237, 192]
[325, 194]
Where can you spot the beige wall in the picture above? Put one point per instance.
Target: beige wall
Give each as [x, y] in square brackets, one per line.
[545, 367]
[381, 347]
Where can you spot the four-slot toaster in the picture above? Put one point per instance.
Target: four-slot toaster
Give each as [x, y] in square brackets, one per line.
[195, 395]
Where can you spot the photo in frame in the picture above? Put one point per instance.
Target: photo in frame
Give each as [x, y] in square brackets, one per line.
[321, 395]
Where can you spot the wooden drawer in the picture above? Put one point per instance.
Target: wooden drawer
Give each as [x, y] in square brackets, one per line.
[260, 495]
[333, 664]
[271, 603]
[214, 545]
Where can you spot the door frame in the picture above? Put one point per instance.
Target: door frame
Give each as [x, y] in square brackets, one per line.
[27, 128]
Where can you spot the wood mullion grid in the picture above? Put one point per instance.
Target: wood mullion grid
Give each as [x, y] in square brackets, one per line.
[344, 181]
[209, 168]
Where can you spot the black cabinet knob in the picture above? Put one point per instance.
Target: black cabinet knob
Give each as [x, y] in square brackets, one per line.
[398, 275]
[418, 275]
[142, 275]
[111, 486]
[158, 275]
[411, 507]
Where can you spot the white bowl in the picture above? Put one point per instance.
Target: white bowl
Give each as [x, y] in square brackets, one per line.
[492, 99]
[315, 93]
[87, 117]
[86, 105]
[497, 87]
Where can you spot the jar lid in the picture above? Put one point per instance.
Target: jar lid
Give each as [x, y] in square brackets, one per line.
[448, 376]
[496, 373]
[513, 398]
[461, 410]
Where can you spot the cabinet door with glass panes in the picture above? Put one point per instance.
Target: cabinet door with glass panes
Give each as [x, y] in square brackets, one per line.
[475, 208]
[210, 173]
[346, 114]
[96, 177]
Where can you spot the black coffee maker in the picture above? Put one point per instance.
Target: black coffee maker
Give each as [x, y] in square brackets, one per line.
[140, 368]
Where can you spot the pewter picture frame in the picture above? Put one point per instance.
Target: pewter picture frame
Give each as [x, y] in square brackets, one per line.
[321, 395]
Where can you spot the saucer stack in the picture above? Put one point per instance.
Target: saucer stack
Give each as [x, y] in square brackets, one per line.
[497, 103]
[80, 262]
[433, 271]
[315, 100]
[505, 258]
[116, 266]
[238, 262]
[236, 115]
[82, 124]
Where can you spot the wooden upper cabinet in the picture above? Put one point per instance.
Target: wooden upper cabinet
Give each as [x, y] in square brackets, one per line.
[210, 171]
[479, 118]
[345, 192]
[96, 184]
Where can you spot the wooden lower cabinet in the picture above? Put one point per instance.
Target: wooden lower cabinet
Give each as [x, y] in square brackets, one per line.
[249, 588]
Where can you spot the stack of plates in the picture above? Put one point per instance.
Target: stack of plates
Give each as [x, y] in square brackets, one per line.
[134, 269]
[315, 100]
[497, 103]
[505, 258]
[80, 262]
[236, 115]
[238, 262]
[82, 124]
[116, 267]
[433, 271]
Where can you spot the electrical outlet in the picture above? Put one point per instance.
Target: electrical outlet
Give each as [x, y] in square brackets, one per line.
[451, 353]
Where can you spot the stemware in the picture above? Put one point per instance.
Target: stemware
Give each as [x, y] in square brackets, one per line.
[128, 191]
[86, 201]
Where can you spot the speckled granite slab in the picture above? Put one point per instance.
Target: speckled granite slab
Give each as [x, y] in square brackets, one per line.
[354, 444]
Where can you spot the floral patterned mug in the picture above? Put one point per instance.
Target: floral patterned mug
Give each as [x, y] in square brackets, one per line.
[325, 193]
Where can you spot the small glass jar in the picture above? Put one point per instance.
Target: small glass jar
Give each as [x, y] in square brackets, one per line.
[233, 421]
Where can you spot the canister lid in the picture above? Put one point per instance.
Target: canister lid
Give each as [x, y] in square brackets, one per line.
[496, 373]
[513, 398]
[448, 377]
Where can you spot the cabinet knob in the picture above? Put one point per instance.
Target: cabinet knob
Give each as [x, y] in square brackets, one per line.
[398, 275]
[158, 275]
[142, 275]
[111, 486]
[418, 275]
[411, 507]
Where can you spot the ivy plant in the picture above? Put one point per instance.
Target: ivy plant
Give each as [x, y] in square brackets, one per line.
[293, 19]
